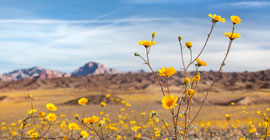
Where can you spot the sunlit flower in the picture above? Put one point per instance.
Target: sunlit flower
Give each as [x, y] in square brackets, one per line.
[34, 135]
[188, 44]
[82, 101]
[186, 80]
[51, 107]
[196, 78]
[228, 117]
[200, 62]
[108, 95]
[232, 36]
[32, 111]
[103, 104]
[166, 71]
[91, 120]
[154, 34]
[139, 135]
[73, 126]
[236, 19]
[217, 18]
[84, 134]
[191, 92]
[169, 101]
[51, 117]
[252, 130]
[135, 128]
[147, 43]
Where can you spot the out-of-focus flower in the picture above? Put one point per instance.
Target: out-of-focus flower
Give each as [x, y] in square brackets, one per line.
[200, 62]
[188, 44]
[82, 101]
[51, 107]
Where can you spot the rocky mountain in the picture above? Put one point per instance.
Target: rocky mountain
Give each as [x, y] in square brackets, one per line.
[92, 68]
[31, 73]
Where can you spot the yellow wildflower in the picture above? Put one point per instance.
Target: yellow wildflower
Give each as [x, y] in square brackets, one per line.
[91, 120]
[34, 135]
[103, 104]
[139, 135]
[154, 34]
[188, 44]
[227, 116]
[252, 130]
[191, 92]
[42, 114]
[147, 43]
[82, 101]
[166, 71]
[169, 101]
[143, 114]
[135, 128]
[217, 18]
[73, 126]
[51, 116]
[232, 36]
[196, 78]
[133, 122]
[108, 95]
[186, 80]
[200, 62]
[32, 111]
[51, 107]
[84, 134]
[236, 19]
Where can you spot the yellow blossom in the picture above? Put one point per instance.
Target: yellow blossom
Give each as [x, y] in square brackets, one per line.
[196, 78]
[42, 114]
[143, 114]
[236, 19]
[252, 130]
[51, 107]
[191, 92]
[188, 44]
[32, 111]
[133, 122]
[169, 101]
[154, 34]
[34, 135]
[82, 101]
[166, 71]
[200, 62]
[147, 43]
[73, 126]
[91, 120]
[138, 135]
[232, 36]
[217, 18]
[108, 95]
[51, 117]
[84, 134]
[135, 128]
[186, 80]
[103, 104]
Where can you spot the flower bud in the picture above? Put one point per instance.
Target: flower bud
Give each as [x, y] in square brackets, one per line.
[179, 38]
[136, 54]
[154, 34]
[189, 44]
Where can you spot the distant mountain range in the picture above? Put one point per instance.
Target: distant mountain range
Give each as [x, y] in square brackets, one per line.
[90, 68]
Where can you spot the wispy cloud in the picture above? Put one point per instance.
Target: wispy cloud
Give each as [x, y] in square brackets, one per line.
[244, 4]
[66, 45]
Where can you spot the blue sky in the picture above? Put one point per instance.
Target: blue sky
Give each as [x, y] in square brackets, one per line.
[64, 34]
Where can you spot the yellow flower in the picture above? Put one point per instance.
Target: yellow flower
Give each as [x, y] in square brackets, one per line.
[143, 114]
[132, 122]
[73, 126]
[186, 80]
[179, 38]
[232, 103]
[147, 43]
[135, 128]
[103, 104]
[236, 19]
[34, 135]
[108, 95]
[154, 34]
[227, 116]
[189, 44]
[91, 120]
[217, 18]
[252, 130]
[51, 116]
[138, 135]
[232, 36]
[51, 107]
[169, 101]
[191, 92]
[200, 62]
[63, 124]
[196, 78]
[84, 134]
[32, 111]
[42, 114]
[101, 123]
[14, 133]
[82, 101]
[166, 71]
[243, 138]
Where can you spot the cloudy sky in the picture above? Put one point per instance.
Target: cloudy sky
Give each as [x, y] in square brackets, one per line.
[65, 34]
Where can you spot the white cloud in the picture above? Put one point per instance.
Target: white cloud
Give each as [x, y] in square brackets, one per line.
[66, 45]
[244, 4]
